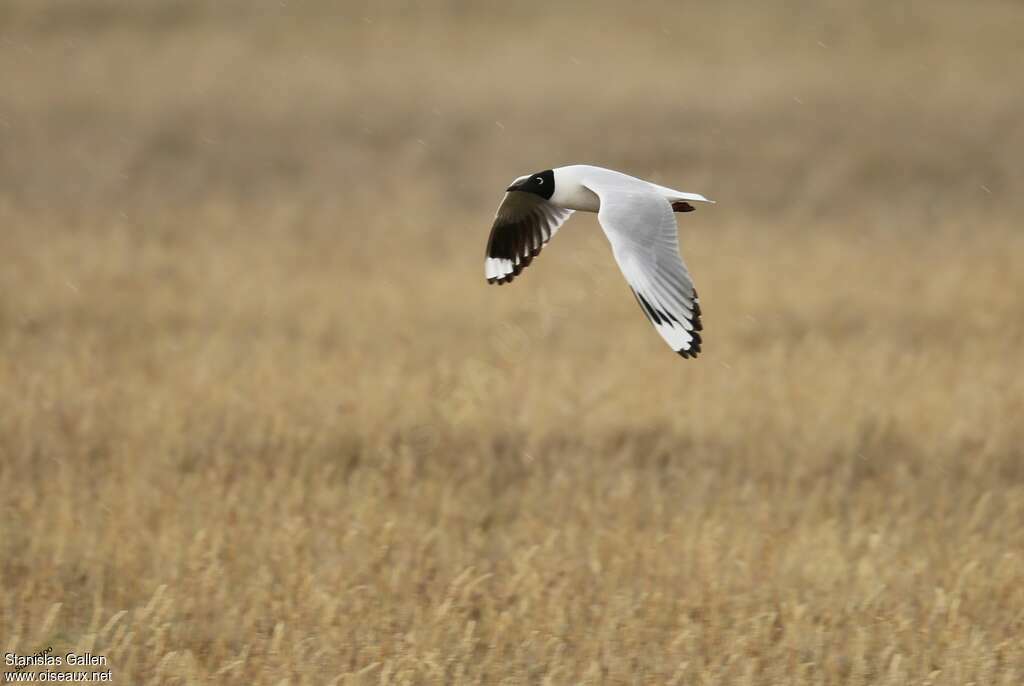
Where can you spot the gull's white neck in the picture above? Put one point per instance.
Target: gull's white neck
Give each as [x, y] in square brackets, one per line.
[570, 192]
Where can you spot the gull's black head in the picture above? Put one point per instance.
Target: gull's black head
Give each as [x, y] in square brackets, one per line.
[541, 183]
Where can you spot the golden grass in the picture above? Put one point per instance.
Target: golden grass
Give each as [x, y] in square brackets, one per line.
[263, 422]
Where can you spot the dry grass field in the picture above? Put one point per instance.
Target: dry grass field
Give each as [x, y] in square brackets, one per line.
[263, 422]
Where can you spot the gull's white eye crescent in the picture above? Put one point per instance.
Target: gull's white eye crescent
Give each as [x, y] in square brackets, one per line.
[540, 180]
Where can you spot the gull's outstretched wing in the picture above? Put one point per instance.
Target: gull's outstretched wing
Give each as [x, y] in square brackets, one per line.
[522, 226]
[641, 227]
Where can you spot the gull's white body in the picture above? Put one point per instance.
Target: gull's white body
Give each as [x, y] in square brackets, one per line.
[637, 217]
[574, 184]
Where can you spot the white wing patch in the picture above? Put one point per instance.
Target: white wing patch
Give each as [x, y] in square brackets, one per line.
[641, 228]
[522, 226]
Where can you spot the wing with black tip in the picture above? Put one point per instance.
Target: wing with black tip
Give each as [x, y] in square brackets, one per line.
[641, 228]
[522, 226]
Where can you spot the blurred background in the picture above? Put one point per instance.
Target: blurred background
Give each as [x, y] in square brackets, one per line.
[901, 112]
[262, 419]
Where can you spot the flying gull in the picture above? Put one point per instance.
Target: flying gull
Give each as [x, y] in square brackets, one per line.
[637, 217]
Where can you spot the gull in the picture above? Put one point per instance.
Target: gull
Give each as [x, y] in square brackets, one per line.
[637, 217]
